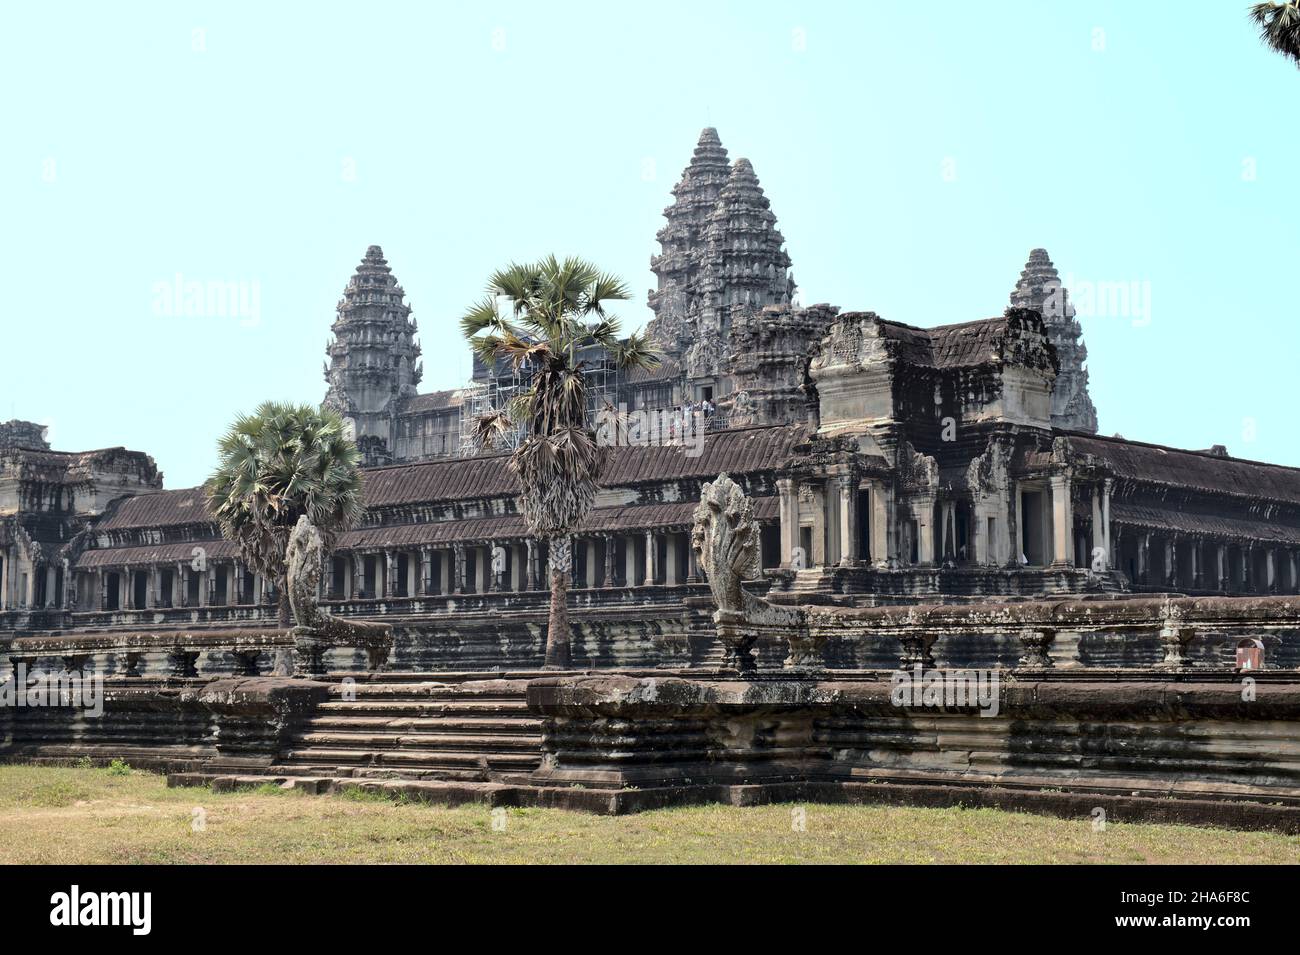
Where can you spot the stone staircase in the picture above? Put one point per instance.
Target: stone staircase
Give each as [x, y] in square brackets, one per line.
[455, 727]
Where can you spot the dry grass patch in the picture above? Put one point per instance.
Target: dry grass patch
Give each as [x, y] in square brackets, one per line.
[95, 816]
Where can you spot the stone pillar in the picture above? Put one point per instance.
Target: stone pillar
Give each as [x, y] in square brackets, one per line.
[788, 489]
[588, 545]
[671, 576]
[880, 539]
[1271, 570]
[496, 557]
[458, 549]
[484, 569]
[101, 584]
[447, 571]
[818, 556]
[531, 545]
[389, 576]
[1098, 531]
[1221, 565]
[923, 513]
[848, 488]
[607, 573]
[1144, 557]
[651, 559]
[1062, 520]
[1247, 568]
[692, 563]
[426, 571]
[629, 561]
[1106, 486]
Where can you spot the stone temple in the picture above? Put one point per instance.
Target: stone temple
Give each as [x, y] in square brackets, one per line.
[887, 465]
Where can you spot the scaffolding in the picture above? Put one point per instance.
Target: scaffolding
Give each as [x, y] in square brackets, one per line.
[487, 395]
[493, 391]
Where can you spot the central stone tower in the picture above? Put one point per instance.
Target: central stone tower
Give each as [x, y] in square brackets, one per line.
[374, 358]
[721, 254]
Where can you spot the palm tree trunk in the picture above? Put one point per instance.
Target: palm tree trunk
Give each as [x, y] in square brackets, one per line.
[557, 627]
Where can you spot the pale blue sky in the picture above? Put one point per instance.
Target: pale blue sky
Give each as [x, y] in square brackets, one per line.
[914, 154]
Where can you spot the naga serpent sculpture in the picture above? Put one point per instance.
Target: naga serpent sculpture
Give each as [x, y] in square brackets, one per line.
[315, 630]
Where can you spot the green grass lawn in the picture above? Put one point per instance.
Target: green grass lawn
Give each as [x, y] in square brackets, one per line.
[102, 816]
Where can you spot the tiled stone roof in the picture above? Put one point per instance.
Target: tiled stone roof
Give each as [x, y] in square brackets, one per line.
[740, 451]
[1201, 470]
[640, 517]
[1211, 525]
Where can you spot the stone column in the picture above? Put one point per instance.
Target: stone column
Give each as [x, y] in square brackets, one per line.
[101, 583]
[607, 574]
[496, 566]
[1221, 565]
[1196, 564]
[1144, 557]
[692, 563]
[1271, 569]
[923, 513]
[1247, 568]
[818, 556]
[880, 540]
[788, 489]
[671, 577]
[589, 555]
[359, 575]
[1062, 520]
[459, 550]
[1098, 531]
[484, 569]
[651, 559]
[848, 488]
[1171, 562]
[447, 571]
[1106, 486]
[629, 561]
[426, 571]
[531, 545]
[390, 575]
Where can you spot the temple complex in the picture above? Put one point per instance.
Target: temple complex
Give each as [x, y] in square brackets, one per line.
[883, 465]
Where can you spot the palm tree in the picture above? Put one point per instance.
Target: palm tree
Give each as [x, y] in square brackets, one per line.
[1279, 26]
[555, 311]
[277, 464]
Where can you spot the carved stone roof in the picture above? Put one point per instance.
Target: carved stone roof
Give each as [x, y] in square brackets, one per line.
[738, 451]
[1157, 464]
[432, 401]
[1211, 525]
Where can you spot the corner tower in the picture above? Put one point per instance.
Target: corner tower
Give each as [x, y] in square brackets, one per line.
[1040, 288]
[374, 357]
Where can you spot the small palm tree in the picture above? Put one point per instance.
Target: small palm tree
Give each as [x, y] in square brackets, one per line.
[1279, 26]
[556, 311]
[277, 464]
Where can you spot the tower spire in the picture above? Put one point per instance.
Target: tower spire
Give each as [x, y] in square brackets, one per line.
[681, 240]
[374, 358]
[1040, 288]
